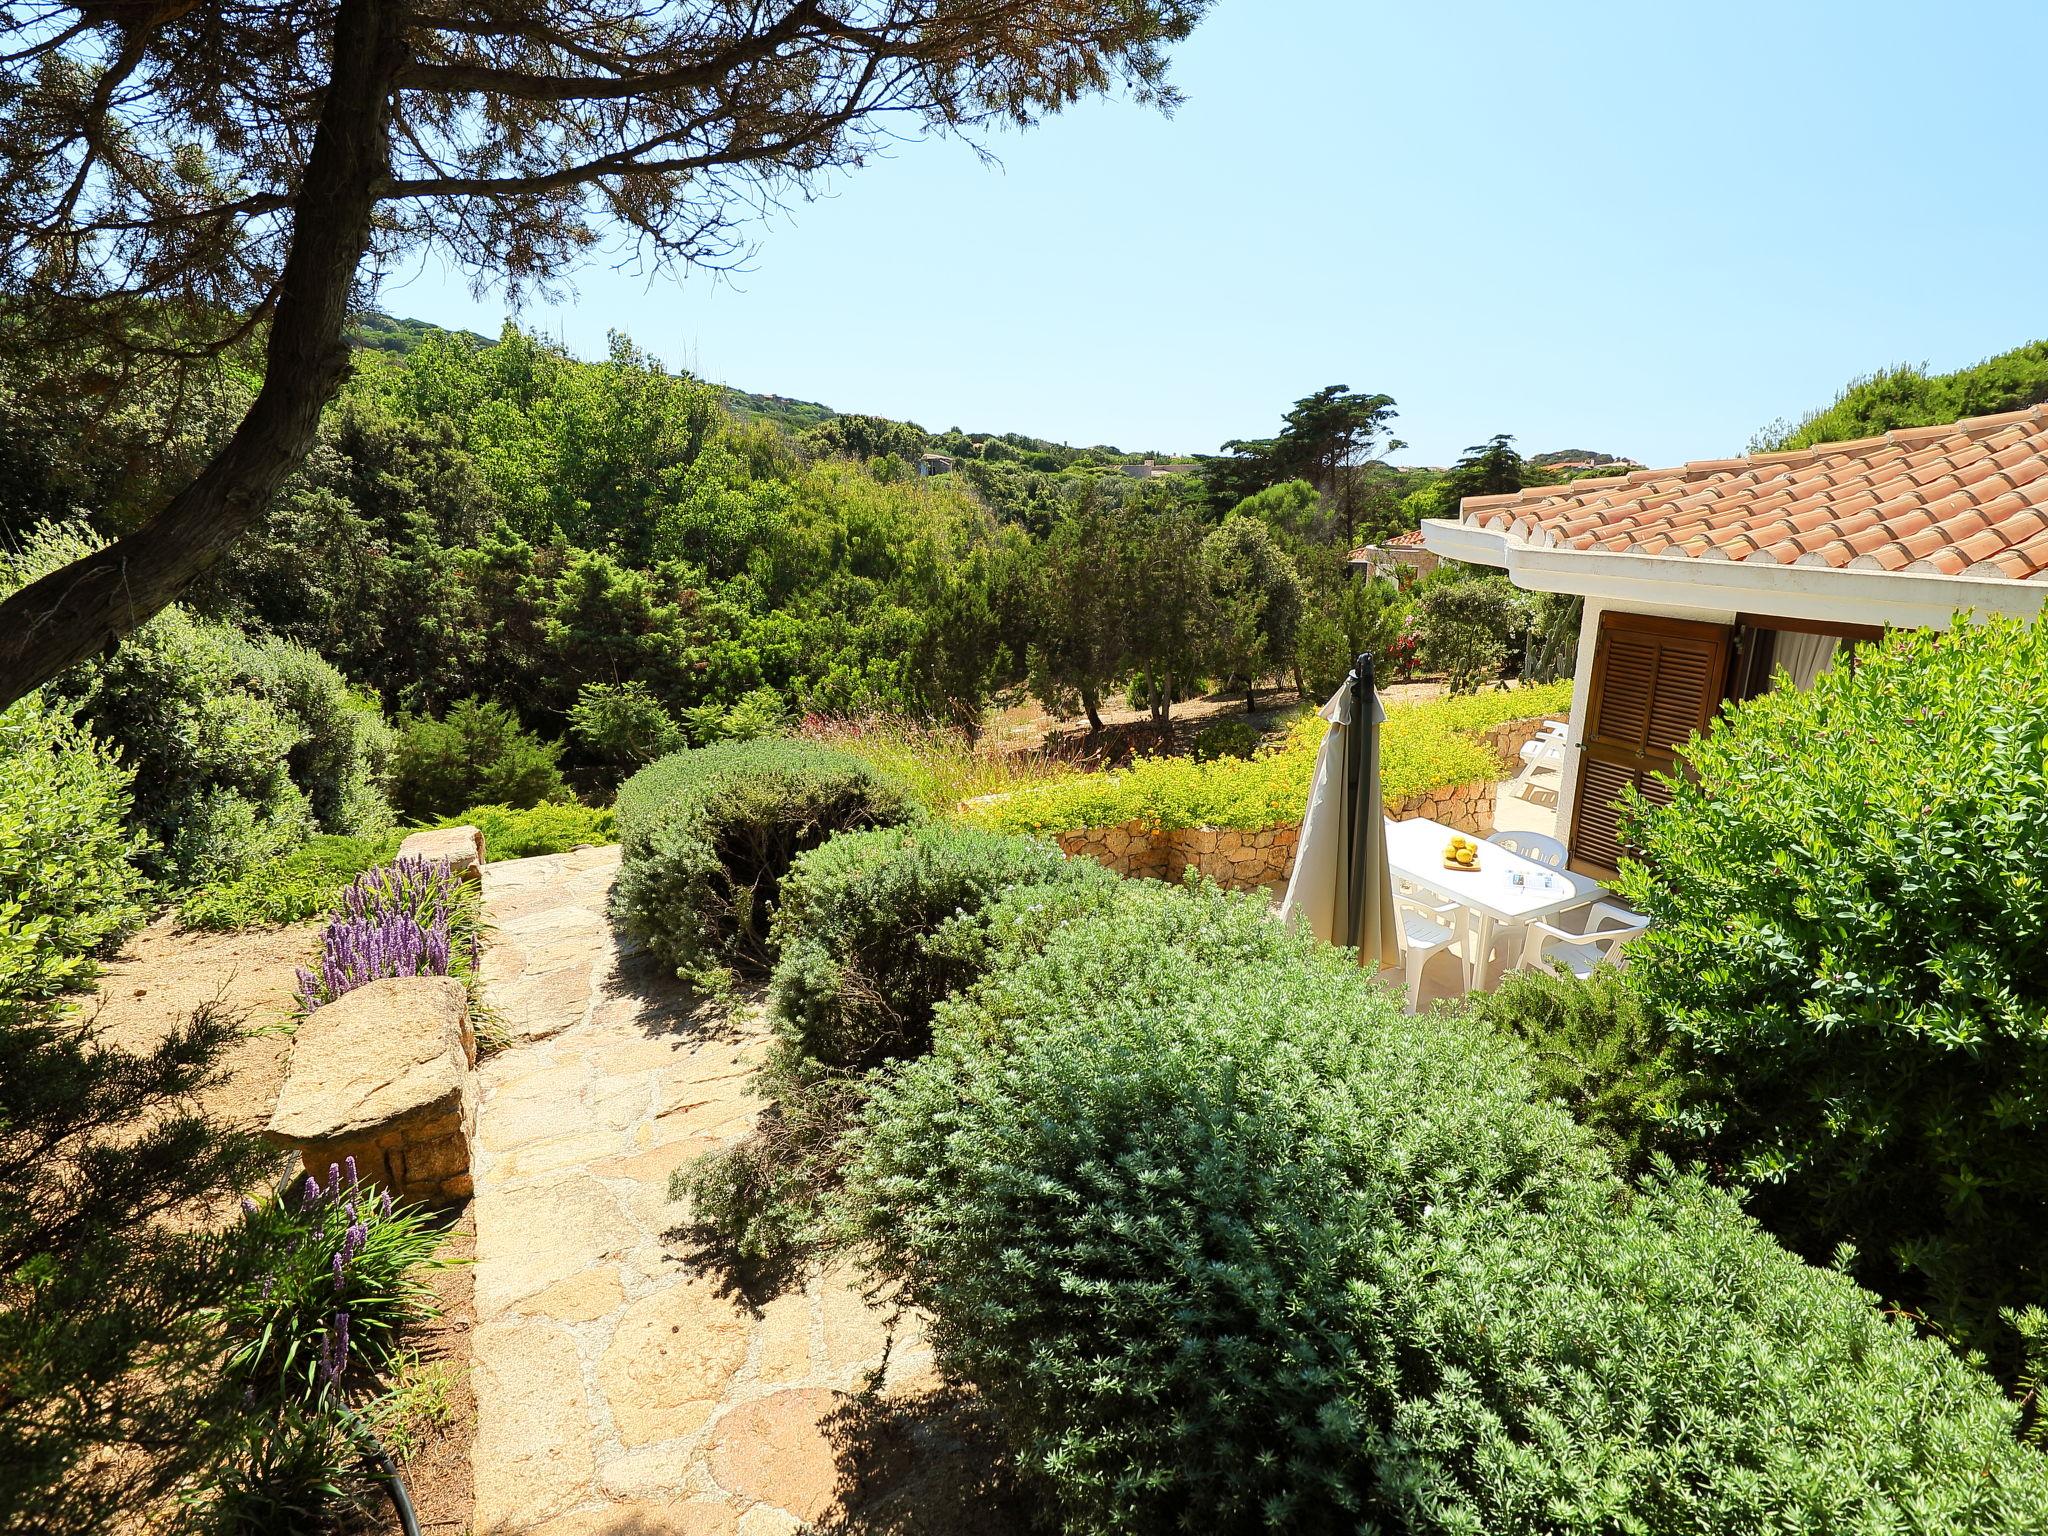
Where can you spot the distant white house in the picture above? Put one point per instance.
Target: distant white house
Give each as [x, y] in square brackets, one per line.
[1702, 583]
[1151, 470]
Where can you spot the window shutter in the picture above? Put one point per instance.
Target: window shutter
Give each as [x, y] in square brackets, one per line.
[1655, 683]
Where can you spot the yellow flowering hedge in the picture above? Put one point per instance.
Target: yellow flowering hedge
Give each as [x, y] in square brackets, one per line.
[1424, 747]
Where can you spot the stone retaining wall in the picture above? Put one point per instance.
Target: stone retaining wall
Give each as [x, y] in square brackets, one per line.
[1463, 807]
[1241, 860]
[1236, 859]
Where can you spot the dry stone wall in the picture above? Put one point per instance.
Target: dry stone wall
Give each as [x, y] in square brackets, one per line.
[1238, 859]
[1246, 859]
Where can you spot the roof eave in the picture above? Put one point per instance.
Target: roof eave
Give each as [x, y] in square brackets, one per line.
[1901, 598]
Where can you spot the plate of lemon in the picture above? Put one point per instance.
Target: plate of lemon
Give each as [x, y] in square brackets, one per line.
[1461, 853]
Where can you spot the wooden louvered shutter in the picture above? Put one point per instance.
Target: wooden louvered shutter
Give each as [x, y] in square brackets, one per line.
[1655, 682]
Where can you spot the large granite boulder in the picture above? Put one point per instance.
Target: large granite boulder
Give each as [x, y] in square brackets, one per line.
[382, 1074]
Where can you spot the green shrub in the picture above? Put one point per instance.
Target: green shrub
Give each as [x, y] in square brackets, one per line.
[709, 833]
[511, 833]
[1219, 1234]
[759, 712]
[873, 929]
[69, 885]
[281, 1323]
[1851, 908]
[303, 884]
[1470, 627]
[1593, 1049]
[476, 754]
[1422, 747]
[342, 759]
[620, 727]
[1226, 738]
[212, 786]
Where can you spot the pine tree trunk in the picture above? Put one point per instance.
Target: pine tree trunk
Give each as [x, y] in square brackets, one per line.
[82, 609]
[1091, 705]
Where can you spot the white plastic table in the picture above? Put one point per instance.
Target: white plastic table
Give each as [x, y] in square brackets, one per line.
[1415, 853]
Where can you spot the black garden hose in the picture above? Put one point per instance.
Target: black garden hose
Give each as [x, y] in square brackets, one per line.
[376, 1459]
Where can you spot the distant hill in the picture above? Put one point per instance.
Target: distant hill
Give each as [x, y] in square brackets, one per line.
[388, 333]
[790, 415]
[1910, 396]
[1576, 457]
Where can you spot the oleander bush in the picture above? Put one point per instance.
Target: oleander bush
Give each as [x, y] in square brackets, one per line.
[1223, 1237]
[709, 833]
[873, 930]
[1850, 905]
[1595, 1049]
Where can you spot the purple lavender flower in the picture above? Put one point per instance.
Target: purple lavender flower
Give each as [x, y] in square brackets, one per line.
[340, 1265]
[311, 1195]
[391, 922]
[334, 1349]
[350, 1163]
[333, 1181]
[384, 1204]
[248, 1206]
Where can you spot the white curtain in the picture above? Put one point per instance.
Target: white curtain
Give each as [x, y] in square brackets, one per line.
[1802, 657]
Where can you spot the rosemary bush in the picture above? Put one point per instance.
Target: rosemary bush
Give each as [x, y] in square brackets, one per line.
[708, 835]
[1220, 1234]
[873, 930]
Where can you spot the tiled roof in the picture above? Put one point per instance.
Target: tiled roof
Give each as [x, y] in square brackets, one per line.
[1969, 498]
[1412, 539]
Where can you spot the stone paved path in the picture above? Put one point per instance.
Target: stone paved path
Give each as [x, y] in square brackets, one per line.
[618, 1394]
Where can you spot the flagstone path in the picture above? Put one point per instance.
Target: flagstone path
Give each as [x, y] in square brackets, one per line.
[618, 1393]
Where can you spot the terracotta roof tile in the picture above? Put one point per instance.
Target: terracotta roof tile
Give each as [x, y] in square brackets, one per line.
[1970, 496]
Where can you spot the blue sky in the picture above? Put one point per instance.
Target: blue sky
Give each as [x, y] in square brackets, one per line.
[1641, 229]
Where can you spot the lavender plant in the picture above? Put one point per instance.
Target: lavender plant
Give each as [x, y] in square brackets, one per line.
[413, 917]
[335, 1272]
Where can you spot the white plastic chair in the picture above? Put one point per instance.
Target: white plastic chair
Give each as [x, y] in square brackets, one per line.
[1426, 928]
[1608, 927]
[1543, 750]
[1539, 847]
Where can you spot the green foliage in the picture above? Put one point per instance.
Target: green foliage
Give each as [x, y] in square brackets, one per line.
[1255, 601]
[940, 767]
[513, 832]
[1595, 1050]
[1422, 747]
[1358, 615]
[342, 758]
[302, 884]
[1849, 908]
[874, 928]
[620, 727]
[760, 712]
[1226, 738]
[281, 1321]
[1470, 627]
[1909, 396]
[104, 1169]
[1213, 1227]
[475, 754]
[709, 834]
[69, 883]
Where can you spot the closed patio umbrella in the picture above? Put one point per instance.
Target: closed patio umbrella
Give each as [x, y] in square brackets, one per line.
[1341, 889]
